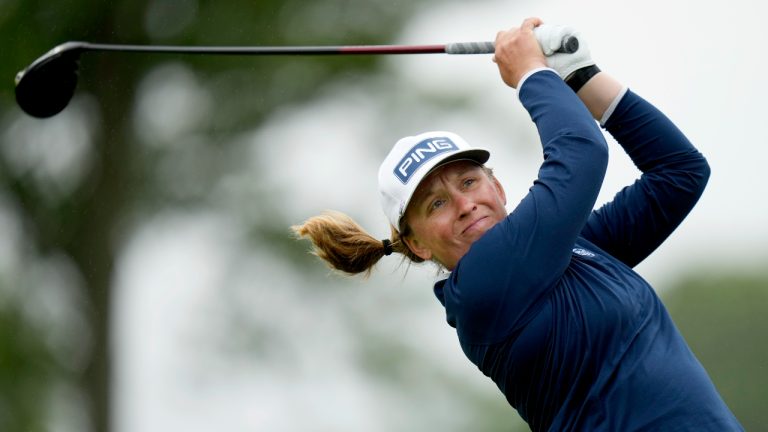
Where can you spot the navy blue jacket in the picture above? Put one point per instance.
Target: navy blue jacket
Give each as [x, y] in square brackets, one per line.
[546, 303]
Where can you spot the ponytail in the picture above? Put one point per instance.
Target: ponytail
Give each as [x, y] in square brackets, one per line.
[345, 246]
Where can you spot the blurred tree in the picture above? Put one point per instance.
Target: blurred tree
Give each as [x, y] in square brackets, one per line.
[724, 318]
[82, 204]
[26, 371]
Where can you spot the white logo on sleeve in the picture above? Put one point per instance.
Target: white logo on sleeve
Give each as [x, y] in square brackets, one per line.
[584, 252]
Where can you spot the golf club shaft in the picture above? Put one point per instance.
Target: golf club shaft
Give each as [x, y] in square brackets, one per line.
[454, 48]
[569, 45]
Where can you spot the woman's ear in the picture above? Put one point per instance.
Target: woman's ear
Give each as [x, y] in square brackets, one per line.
[418, 248]
[500, 190]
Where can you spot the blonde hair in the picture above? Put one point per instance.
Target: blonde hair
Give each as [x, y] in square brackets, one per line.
[346, 246]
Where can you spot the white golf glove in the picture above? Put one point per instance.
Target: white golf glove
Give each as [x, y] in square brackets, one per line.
[551, 37]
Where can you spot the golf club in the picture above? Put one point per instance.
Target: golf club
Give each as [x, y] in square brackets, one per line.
[47, 85]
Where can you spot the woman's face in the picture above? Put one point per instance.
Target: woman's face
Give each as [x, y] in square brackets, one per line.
[452, 208]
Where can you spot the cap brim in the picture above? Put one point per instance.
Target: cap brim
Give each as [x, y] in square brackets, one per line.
[479, 155]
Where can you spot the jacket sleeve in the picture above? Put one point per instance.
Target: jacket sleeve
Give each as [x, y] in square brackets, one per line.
[517, 260]
[641, 216]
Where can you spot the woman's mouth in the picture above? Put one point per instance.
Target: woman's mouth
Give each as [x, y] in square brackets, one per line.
[476, 225]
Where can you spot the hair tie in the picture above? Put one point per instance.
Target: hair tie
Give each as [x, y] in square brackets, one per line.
[387, 247]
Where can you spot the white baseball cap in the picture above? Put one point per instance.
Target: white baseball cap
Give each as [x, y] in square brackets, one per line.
[411, 160]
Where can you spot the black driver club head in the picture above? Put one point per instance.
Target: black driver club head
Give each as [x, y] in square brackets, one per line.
[47, 85]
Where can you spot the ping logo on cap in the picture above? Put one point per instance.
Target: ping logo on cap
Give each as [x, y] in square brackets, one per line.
[420, 153]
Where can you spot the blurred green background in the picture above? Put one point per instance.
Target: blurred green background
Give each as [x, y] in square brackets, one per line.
[148, 278]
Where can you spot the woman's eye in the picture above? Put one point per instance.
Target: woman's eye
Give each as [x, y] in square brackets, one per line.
[436, 204]
[469, 182]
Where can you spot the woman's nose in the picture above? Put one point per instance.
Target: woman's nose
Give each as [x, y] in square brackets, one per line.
[464, 204]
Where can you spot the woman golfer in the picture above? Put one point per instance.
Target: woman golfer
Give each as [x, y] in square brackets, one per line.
[544, 299]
